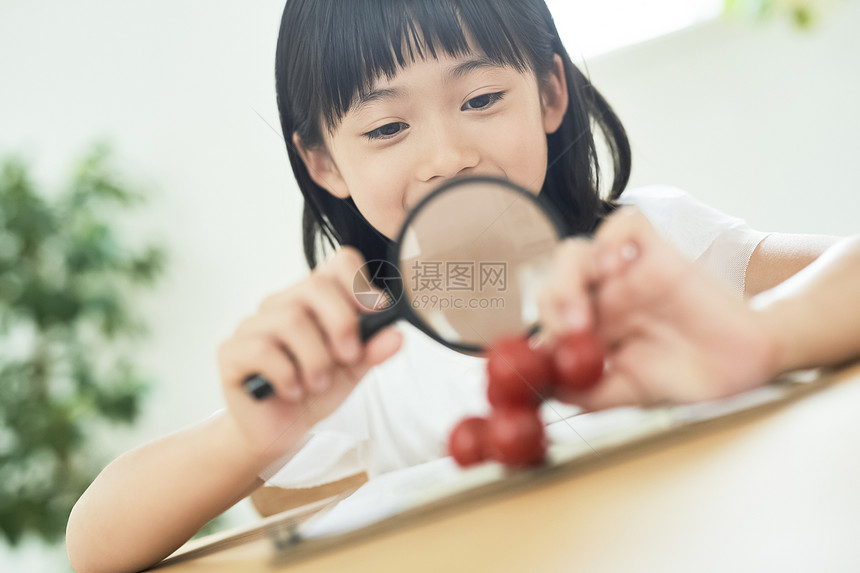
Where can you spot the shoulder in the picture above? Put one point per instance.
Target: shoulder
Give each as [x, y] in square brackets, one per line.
[691, 225]
[781, 255]
[720, 243]
[664, 204]
[751, 261]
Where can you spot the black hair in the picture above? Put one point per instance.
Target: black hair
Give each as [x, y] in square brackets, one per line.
[330, 52]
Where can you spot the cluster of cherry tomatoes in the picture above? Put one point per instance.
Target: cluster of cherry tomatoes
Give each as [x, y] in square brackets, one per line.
[519, 378]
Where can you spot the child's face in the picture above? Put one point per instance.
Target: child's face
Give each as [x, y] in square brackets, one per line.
[435, 120]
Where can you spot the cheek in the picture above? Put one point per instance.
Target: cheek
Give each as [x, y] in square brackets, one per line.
[384, 218]
[375, 187]
[526, 153]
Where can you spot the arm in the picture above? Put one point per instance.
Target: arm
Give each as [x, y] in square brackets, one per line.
[780, 256]
[304, 340]
[149, 501]
[815, 314]
[271, 500]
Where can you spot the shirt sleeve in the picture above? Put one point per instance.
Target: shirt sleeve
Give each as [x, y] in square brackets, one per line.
[720, 243]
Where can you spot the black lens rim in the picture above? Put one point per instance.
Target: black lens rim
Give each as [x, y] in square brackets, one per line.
[406, 311]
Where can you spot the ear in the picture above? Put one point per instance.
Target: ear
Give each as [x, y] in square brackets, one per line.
[321, 168]
[554, 96]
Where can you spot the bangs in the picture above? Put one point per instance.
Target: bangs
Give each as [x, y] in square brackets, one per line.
[362, 41]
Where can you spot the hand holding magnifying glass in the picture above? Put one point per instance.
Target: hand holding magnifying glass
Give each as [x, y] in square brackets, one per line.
[469, 263]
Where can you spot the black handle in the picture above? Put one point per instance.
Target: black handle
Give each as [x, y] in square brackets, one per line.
[372, 322]
[369, 324]
[257, 387]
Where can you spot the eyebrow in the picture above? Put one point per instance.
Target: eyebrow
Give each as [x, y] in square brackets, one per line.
[471, 65]
[377, 95]
[454, 73]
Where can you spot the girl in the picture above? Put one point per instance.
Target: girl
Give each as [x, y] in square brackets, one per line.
[381, 102]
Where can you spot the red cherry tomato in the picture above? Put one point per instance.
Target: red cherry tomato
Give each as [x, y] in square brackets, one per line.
[467, 443]
[515, 437]
[517, 375]
[577, 363]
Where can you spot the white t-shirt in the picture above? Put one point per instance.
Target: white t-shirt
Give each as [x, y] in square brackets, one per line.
[402, 412]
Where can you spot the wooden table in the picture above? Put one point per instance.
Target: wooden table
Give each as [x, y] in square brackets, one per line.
[773, 489]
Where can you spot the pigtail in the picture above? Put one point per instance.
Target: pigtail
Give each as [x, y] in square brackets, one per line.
[614, 135]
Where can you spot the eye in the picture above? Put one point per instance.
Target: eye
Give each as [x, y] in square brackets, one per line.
[483, 101]
[386, 131]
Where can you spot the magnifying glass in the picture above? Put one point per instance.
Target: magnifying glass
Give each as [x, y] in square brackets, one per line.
[467, 268]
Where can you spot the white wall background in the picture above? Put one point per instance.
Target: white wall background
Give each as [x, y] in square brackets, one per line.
[761, 122]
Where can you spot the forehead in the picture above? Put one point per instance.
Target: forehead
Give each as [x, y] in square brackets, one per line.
[427, 77]
[448, 69]
[374, 52]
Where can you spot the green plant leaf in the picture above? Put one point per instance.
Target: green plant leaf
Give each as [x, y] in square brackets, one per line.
[67, 286]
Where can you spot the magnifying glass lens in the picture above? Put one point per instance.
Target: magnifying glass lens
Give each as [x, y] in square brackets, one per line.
[473, 260]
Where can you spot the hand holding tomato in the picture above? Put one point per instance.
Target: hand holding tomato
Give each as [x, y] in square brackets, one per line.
[673, 333]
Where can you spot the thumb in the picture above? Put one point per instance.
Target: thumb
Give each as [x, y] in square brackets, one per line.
[565, 302]
[381, 347]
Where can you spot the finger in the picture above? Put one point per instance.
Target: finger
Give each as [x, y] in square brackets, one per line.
[346, 268]
[622, 321]
[337, 317]
[614, 259]
[565, 303]
[620, 239]
[636, 284]
[614, 390]
[330, 294]
[625, 223]
[349, 271]
[377, 350]
[381, 347]
[300, 335]
[261, 354]
[679, 375]
[384, 345]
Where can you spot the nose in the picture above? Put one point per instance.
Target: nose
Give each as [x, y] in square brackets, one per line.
[447, 153]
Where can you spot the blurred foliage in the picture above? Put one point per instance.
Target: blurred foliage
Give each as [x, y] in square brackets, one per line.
[66, 327]
[804, 14]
